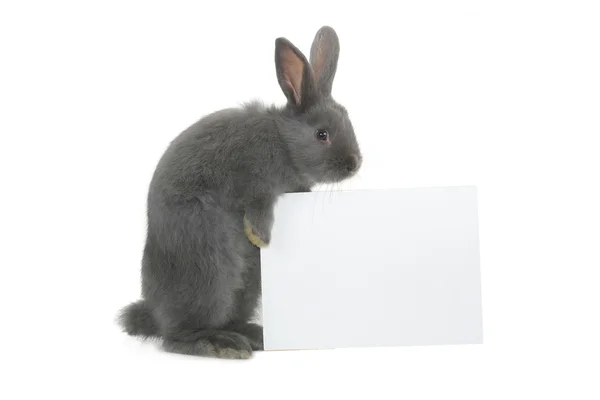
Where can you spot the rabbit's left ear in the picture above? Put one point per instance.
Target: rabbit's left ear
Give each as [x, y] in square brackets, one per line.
[294, 74]
[324, 54]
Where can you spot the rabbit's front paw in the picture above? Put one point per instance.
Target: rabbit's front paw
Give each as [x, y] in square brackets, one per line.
[255, 235]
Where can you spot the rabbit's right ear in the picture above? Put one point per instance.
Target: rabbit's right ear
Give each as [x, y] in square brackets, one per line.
[324, 55]
[294, 73]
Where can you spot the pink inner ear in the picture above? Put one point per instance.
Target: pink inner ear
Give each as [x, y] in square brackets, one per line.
[296, 94]
[293, 68]
[318, 61]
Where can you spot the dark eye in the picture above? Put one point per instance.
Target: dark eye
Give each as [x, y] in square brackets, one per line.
[322, 134]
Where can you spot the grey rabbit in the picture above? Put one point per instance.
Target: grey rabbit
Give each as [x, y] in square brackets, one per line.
[211, 198]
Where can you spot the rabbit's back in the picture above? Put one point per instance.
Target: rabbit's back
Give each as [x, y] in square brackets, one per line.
[223, 155]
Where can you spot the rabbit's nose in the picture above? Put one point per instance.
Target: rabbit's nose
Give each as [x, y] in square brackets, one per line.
[353, 163]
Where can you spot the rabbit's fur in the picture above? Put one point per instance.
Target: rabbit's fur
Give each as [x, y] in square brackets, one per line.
[200, 268]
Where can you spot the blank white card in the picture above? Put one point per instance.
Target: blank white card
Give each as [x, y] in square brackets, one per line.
[373, 268]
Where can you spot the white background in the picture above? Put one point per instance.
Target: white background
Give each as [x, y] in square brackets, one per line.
[504, 95]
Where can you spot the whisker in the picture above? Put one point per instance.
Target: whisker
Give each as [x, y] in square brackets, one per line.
[315, 200]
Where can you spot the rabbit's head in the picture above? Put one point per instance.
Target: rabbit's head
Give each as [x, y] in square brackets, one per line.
[317, 130]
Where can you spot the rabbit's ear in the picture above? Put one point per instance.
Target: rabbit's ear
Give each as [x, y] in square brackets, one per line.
[324, 54]
[294, 73]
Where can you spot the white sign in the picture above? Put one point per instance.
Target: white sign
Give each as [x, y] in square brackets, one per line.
[373, 268]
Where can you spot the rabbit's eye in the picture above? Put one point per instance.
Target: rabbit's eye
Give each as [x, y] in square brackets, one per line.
[322, 134]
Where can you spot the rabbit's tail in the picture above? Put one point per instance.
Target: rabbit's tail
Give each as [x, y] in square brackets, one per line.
[136, 319]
